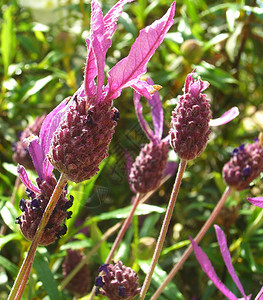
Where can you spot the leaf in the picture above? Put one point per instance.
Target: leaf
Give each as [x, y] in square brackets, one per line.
[7, 238]
[45, 275]
[9, 214]
[232, 43]
[80, 244]
[171, 291]
[142, 209]
[8, 265]
[96, 235]
[37, 86]
[7, 39]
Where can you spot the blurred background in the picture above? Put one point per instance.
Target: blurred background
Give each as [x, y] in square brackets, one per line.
[42, 61]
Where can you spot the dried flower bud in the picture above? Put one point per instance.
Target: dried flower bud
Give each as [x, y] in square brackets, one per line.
[118, 282]
[147, 170]
[20, 148]
[190, 120]
[245, 165]
[79, 285]
[33, 209]
[81, 141]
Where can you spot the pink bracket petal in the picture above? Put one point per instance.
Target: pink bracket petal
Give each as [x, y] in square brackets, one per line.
[228, 116]
[256, 201]
[227, 259]
[210, 272]
[134, 65]
[24, 178]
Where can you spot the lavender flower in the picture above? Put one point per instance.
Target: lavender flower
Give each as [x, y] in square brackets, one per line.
[245, 165]
[191, 120]
[79, 285]
[34, 207]
[209, 270]
[20, 148]
[81, 140]
[118, 282]
[146, 172]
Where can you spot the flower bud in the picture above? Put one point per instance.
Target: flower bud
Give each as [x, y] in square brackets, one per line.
[81, 141]
[20, 148]
[190, 131]
[118, 282]
[147, 170]
[245, 165]
[79, 285]
[192, 51]
[33, 209]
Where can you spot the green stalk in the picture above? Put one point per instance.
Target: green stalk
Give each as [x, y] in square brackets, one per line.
[197, 239]
[166, 222]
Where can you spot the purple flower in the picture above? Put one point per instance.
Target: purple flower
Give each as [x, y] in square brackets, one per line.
[81, 141]
[209, 270]
[191, 120]
[146, 172]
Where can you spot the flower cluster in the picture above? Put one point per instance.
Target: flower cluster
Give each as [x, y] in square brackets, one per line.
[118, 282]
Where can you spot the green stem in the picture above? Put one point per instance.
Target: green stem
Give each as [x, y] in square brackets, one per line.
[197, 239]
[164, 228]
[22, 277]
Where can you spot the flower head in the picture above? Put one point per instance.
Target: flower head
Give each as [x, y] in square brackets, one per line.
[245, 165]
[79, 285]
[81, 140]
[209, 270]
[191, 120]
[146, 172]
[38, 196]
[118, 282]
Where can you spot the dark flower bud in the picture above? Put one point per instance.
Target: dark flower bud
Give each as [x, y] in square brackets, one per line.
[147, 170]
[34, 208]
[190, 120]
[245, 165]
[79, 285]
[81, 140]
[118, 282]
[20, 148]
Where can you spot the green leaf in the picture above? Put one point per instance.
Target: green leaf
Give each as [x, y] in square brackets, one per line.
[80, 244]
[45, 275]
[37, 86]
[7, 238]
[232, 43]
[122, 213]
[171, 291]
[96, 235]
[9, 214]
[7, 39]
[8, 265]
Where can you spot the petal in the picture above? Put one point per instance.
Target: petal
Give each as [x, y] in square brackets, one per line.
[210, 272]
[258, 201]
[260, 295]
[228, 116]
[157, 113]
[227, 259]
[112, 16]
[37, 155]
[90, 72]
[170, 168]
[143, 88]
[24, 178]
[99, 42]
[134, 65]
[145, 127]
[50, 125]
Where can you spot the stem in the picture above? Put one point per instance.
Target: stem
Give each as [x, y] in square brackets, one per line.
[164, 228]
[79, 266]
[197, 239]
[22, 277]
[123, 229]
